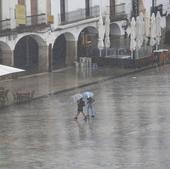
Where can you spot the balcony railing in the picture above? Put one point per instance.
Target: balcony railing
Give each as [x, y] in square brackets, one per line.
[5, 24]
[94, 11]
[34, 22]
[5, 27]
[117, 12]
[78, 15]
[36, 19]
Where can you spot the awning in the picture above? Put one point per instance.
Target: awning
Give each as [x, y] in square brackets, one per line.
[4, 70]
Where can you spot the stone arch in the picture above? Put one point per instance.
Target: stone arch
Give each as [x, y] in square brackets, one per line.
[167, 38]
[63, 50]
[117, 35]
[5, 54]
[30, 53]
[87, 42]
[115, 29]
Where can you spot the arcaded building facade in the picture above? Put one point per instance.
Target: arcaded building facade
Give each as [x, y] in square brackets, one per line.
[43, 35]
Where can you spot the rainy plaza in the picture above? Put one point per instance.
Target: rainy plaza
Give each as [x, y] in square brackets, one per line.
[130, 129]
[85, 85]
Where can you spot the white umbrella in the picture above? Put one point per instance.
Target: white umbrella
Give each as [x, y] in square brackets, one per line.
[139, 30]
[158, 28]
[100, 32]
[77, 97]
[153, 30]
[147, 25]
[133, 34]
[5, 70]
[107, 31]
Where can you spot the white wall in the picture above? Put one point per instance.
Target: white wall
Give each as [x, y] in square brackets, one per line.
[76, 4]
[42, 6]
[11, 8]
[121, 1]
[5, 9]
[104, 6]
[28, 7]
[55, 10]
[95, 2]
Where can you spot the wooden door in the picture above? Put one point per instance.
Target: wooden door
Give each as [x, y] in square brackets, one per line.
[34, 7]
[21, 2]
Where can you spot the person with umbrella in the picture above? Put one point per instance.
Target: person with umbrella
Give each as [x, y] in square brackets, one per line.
[90, 100]
[90, 108]
[80, 105]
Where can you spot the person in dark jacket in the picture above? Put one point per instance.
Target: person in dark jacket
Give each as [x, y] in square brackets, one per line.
[80, 105]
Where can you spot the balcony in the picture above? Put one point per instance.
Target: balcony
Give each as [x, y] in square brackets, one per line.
[117, 12]
[4, 27]
[78, 15]
[33, 23]
[36, 19]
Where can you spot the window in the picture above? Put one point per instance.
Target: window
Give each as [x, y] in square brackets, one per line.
[62, 9]
[87, 8]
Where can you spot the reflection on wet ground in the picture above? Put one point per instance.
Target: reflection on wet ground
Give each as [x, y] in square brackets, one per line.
[131, 129]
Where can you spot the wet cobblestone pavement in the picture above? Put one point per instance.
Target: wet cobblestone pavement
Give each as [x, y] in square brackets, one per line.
[131, 129]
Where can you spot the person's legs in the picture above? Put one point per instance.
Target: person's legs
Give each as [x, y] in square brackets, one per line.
[92, 111]
[84, 115]
[78, 112]
[88, 110]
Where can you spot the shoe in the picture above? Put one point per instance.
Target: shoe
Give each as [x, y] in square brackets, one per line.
[75, 118]
[93, 116]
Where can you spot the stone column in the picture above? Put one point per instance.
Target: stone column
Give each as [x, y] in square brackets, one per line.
[71, 53]
[43, 58]
[8, 57]
[50, 59]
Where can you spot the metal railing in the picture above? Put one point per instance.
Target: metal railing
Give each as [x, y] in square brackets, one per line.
[5, 24]
[78, 15]
[117, 12]
[94, 11]
[34, 22]
[105, 52]
[5, 27]
[36, 19]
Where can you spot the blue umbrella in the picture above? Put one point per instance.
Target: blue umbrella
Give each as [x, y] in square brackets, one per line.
[88, 94]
